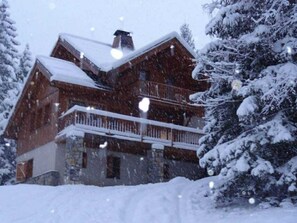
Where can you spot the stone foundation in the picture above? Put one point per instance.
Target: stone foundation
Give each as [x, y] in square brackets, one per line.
[73, 160]
[156, 163]
[50, 179]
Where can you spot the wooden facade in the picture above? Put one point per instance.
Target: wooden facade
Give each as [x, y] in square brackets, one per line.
[162, 74]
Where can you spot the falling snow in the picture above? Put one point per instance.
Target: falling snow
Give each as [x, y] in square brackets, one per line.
[211, 184]
[210, 172]
[252, 200]
[144, 104]
[236, 85]
[116, 53]
[52, 5]
[289, 50]
[104, 145]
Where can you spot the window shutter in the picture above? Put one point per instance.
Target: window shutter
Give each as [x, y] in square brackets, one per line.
[21, 171]
[24, 170]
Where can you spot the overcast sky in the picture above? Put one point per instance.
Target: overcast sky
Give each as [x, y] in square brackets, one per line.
[39, 22]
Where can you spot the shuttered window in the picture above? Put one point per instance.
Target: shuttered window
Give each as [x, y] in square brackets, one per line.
[21, 172]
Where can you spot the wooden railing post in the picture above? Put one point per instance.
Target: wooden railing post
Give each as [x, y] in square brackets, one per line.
[171, 135]
[75, 117]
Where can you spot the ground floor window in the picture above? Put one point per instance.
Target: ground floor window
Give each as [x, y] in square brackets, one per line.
[113, 167]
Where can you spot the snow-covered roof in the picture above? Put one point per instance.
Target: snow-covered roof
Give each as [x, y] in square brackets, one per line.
[100, 53]
[65, 71]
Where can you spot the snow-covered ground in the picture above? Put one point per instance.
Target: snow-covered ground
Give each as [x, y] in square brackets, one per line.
[178, 201]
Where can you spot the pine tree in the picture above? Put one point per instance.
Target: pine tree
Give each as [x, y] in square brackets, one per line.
[251, 106]
[7, 161]
[186, 33]
[8, 63]
[9, 88]
[25, 64]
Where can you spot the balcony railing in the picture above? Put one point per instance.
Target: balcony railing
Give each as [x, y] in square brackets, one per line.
[163, 92]
[129, 128]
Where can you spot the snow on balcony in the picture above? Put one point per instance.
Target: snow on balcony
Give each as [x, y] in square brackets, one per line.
[86, 120]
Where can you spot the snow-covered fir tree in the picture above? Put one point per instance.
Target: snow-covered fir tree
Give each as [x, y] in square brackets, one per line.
[8, 63]
[7, 161]
[25, 65]
[9, 88]
[251, 105]
[186, 33]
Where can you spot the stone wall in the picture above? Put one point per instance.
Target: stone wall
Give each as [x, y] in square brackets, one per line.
[155, 163]
[73, 160]
[50, 178]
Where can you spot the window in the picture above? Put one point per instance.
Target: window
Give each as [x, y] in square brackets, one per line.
[113, 167]
[47, 114]
[84, 160]
[170, 90]
[39, 118]
[75, 102]
[144, 75]
[33, 122]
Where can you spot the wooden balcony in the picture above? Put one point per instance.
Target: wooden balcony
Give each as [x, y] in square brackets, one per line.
[163, 92]
[82, 119]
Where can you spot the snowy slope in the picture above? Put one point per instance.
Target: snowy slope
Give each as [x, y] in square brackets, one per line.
[179, 201]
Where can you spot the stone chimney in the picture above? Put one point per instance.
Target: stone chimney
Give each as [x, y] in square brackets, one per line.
[123, 40]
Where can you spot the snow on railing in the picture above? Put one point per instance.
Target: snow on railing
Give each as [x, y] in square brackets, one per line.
[130, 127]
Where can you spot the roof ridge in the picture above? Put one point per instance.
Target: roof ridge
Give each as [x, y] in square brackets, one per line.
[84, 38]
[54, 58]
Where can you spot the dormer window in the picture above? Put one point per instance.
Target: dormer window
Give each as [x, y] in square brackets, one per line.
[144, 75]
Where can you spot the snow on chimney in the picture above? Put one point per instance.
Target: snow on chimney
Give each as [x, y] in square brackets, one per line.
[123, 40]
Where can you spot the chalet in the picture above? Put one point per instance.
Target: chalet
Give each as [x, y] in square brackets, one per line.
[78, 118]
